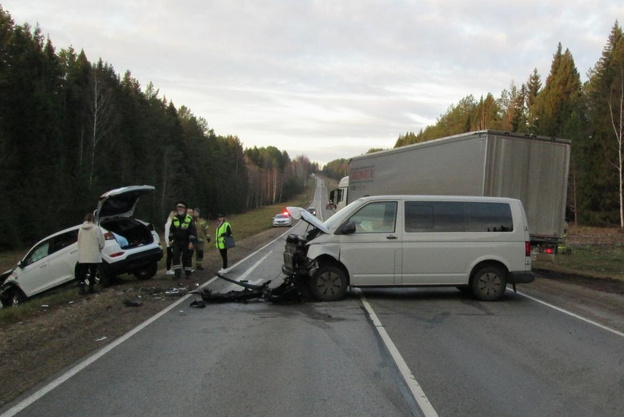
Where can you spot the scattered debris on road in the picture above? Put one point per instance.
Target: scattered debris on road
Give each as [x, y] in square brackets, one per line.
[292, 290]
[132, 303]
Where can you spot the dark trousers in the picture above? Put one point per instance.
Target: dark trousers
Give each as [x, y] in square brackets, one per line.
[181, 250]
[169, 257]
[223, 253]
[199, 254]
[83, 269]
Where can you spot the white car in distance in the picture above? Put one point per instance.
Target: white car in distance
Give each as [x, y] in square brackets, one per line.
[282, 219]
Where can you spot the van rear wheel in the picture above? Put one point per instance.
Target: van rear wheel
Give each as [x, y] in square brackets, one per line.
[489, 283]
[329, 283]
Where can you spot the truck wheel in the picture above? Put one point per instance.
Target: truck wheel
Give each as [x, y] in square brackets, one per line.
[146, 272]
[489, 283]
[329, 283]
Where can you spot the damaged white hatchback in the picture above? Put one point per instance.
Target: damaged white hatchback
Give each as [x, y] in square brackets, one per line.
[131, 246]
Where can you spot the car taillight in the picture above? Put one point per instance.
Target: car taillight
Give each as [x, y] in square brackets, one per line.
[109, 236]
[549, 250]
[527, 248]
[116, 254]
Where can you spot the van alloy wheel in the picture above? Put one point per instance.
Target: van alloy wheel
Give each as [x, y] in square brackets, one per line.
[329, 283]
[489, 283]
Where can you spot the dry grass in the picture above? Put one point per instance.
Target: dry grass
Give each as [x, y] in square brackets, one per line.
[590, 251]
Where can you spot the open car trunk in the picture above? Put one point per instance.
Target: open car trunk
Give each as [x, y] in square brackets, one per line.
[134, 232]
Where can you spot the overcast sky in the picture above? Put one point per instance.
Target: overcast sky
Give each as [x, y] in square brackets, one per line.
[327, 79]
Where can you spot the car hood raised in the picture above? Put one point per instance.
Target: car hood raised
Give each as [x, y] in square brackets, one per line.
[300, 213]
[120, 202]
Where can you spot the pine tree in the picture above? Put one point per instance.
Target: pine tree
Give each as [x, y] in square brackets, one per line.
[560, 96]
[532, 88]
[605, 147]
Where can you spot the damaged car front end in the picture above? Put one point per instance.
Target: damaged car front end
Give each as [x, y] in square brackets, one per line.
[314, 259]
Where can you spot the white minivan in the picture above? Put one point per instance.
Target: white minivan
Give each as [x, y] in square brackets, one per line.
[475, 243]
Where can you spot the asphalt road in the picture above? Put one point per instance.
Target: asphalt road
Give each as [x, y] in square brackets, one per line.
[420, 352]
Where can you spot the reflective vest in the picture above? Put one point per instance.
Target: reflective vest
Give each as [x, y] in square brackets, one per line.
[187, 222]
[182, 231]
[221, 229]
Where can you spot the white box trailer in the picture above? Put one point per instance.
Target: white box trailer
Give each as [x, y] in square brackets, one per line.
[484, 163]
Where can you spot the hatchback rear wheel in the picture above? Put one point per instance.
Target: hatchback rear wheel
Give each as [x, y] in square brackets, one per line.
[147, 271]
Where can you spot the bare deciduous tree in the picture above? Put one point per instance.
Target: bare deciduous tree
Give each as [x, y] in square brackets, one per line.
[616, 113]
[102, 115]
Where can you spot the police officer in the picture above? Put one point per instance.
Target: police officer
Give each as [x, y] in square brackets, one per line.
[184, 237]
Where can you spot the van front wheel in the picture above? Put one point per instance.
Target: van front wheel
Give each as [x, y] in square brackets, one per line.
[329, 283]
[489, 283]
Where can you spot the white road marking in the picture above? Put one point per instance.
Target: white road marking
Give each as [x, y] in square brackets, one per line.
[43, 391]
[248, 271]
[410, 380]
[586, 320]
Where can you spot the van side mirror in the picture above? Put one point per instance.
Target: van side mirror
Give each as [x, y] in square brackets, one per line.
[347, 228]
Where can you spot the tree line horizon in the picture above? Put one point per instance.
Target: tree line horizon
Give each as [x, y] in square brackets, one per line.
[71, 130]
[589, 114]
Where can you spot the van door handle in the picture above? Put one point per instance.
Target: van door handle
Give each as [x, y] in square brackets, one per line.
[391, 237]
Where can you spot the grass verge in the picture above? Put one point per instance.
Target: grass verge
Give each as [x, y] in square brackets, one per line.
[599, 261]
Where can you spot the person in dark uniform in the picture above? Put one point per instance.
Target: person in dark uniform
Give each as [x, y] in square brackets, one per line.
[184, 236]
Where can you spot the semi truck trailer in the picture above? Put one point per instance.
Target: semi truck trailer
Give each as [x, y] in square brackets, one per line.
[530, 168]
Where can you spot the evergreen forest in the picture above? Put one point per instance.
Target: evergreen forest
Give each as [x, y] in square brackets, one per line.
[71, 129]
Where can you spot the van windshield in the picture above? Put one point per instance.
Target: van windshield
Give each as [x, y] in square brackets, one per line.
[343, 214]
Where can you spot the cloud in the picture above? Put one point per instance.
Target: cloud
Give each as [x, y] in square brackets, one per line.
[328, 79]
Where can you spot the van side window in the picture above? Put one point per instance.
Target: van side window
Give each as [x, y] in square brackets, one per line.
[376, 218]
[489, 217]
[452, 216]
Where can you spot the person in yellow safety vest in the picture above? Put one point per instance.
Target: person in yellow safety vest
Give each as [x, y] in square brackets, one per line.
[203, 235]
[184, 237]
[223, 229]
